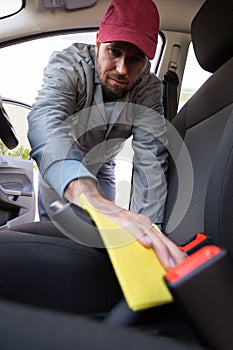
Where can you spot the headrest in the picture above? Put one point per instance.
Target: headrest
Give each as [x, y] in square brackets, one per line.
[212, 34]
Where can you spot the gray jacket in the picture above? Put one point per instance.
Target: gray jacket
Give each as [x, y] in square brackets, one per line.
[68, 121]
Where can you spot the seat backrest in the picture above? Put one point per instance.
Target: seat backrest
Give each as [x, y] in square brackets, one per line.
[201, 173]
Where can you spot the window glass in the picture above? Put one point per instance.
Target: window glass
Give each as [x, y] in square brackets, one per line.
[21, 65]
[21, 71]
[155, 61]
[18, 117]
[8, 8]
[194, 76]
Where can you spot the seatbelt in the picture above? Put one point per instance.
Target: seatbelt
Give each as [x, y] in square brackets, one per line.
[170, 83]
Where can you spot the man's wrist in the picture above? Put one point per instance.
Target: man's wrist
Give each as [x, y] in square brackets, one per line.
[66, 171]
[77, 187]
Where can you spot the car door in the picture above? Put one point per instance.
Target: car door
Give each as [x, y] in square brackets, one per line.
[17, 194]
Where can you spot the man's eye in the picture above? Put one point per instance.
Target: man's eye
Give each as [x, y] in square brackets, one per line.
[139, 58]
[114, 52]
[136, 59]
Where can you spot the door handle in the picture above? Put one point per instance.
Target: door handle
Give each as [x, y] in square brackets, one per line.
[15, 192]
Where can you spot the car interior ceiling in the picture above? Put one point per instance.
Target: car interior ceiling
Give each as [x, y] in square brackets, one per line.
[42, 20]
[205, 124]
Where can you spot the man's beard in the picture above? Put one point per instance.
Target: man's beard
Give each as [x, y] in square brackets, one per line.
[113, 92]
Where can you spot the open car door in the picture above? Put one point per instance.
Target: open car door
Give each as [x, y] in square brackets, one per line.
[17, 197]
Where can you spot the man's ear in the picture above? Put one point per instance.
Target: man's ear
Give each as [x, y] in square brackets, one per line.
[97, 43]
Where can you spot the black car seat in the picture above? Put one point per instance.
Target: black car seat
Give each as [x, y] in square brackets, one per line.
[26, 328]
[199, 193]
[200, 178]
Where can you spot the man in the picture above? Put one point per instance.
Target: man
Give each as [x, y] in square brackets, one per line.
[93, 98]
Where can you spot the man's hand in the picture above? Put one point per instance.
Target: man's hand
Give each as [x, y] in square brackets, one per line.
[138, 225]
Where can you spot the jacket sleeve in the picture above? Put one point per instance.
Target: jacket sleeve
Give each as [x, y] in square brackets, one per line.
[50, 121]
[150, 162]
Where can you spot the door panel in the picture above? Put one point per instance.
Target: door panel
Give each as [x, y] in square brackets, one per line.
[17, 196]
[17, 199]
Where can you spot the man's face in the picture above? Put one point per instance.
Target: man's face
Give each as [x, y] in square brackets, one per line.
[119, 66]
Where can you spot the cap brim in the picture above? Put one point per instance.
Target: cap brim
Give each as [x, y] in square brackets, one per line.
[144, 43]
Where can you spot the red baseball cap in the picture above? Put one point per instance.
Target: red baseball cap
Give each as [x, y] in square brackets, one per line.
[133, 21]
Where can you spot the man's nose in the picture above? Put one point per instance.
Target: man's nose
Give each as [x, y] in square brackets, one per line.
[121, 66]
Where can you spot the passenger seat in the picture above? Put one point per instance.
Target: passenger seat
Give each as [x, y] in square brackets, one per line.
[200, 187]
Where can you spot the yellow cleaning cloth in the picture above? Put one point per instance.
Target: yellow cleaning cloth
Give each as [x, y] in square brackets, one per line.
[138, 270]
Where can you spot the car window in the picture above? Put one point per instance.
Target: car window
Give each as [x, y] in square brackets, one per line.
[194, 76]
[21, 71]
[18, 117]
[21, 65]
[9, 8]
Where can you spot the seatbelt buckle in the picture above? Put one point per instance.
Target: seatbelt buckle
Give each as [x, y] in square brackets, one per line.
[195, 243]
[203, 285]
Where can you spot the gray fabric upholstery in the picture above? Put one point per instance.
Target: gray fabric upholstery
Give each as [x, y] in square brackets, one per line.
[27, 328]
[213, 43]
[203, 124]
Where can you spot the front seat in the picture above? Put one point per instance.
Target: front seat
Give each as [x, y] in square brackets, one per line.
[201, 173]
